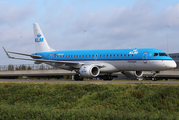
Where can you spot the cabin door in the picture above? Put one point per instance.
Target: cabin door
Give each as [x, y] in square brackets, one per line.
[50, 56]
[145, 55]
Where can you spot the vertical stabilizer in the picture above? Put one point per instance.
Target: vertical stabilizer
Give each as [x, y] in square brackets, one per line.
[40, 41]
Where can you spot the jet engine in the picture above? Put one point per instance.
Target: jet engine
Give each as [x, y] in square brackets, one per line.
[89, 71]
[133, 74]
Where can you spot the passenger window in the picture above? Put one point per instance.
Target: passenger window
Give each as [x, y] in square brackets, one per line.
[60, 56]
[113, 55]
[103, 55]
[128, 55]
[121, 55]
[110, 55]
[99, 55]
[65, 56]
[117, 55]
[96, 55]
[74, 56]
[124, 55]
[155, 54]
[85, 55]
[88, 55]
[131, 55]
[82, 55]
[106, 55]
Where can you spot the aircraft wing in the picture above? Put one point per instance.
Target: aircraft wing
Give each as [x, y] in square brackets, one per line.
[69, 63]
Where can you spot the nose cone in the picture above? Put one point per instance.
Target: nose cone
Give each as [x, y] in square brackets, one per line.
[171, 64]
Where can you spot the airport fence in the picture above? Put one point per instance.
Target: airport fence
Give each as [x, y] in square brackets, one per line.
[11, 67]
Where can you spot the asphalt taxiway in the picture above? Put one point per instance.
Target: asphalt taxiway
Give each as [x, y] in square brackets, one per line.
[92, 81]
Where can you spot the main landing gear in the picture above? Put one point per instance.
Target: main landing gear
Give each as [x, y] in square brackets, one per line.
[154, 76]
[78, 77]
[107, 77]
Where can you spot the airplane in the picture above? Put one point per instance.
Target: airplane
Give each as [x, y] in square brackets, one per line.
[92, 63]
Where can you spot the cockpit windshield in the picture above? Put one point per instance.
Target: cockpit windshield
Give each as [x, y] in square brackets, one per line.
[155, 54]
[163, 54]
[160, 54]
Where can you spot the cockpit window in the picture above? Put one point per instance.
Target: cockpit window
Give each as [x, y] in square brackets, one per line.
[162, 54]
[155, 54]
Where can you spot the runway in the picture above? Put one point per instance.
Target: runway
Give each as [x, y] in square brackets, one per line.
[92, 81]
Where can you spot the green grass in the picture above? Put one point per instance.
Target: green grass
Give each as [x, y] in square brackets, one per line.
[88, 101]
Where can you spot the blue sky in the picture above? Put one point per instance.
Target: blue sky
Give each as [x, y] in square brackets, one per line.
[108, 24]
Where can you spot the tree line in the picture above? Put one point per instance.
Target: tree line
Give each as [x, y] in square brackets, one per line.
[28, 67]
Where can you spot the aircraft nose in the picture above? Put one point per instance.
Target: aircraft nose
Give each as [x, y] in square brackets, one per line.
[171, 64]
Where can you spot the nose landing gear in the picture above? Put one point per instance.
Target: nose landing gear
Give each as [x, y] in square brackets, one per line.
[154, 76]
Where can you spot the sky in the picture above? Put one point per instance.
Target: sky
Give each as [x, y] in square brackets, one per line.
[88, 24]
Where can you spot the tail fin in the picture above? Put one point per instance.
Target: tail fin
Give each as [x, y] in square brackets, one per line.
[40, 41]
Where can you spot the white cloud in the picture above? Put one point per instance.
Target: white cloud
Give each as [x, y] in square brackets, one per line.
[137, 26]
[141, 25]
[12, 15]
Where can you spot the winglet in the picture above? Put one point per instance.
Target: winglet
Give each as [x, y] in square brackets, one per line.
[7, 53]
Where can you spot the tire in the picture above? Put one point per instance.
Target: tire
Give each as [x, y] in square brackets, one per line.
[110, 77]
[154, 79]
[81, 78]
[107, 77]
[76, 77]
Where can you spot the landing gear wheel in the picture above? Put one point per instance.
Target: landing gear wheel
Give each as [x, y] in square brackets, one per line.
[110, 77]
[107, 77]
[78, 78]
[81, 78]
[154, 79]
[154, 76]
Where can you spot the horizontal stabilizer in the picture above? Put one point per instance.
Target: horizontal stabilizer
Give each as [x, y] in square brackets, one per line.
[33, 56]
[7, 53]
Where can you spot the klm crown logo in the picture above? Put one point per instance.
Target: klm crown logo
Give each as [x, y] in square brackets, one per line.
[39, 39]
[39, 35]
[84, 71]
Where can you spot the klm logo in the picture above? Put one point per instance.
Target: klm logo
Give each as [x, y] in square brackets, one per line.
[133, 52]
[39, 39]
[84, 71]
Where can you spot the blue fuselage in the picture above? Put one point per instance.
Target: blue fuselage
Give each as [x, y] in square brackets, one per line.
[116, 59]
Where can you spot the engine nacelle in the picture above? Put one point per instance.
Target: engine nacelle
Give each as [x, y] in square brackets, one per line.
[89, 71]
[133, 74]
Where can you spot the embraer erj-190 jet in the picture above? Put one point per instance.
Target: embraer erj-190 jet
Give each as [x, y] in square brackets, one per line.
[92, 63]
